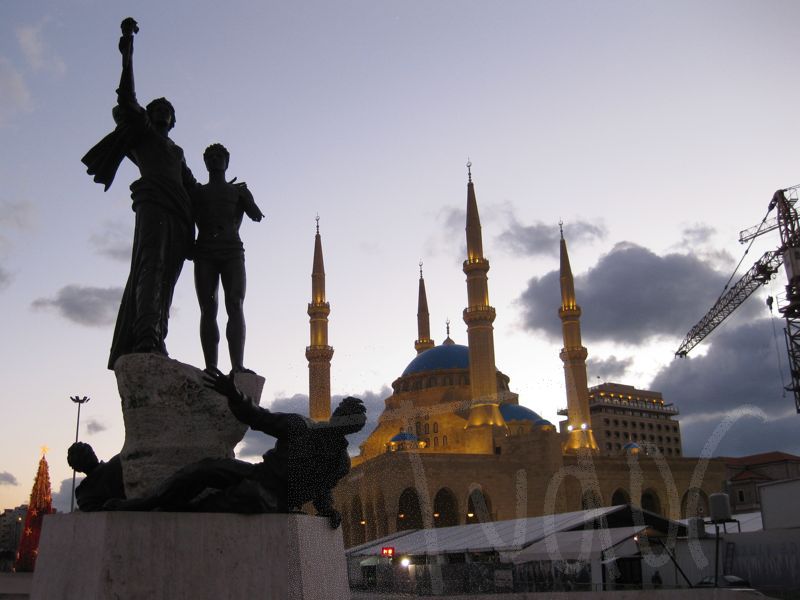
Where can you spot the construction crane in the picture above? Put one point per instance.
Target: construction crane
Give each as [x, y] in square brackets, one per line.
[788, 254]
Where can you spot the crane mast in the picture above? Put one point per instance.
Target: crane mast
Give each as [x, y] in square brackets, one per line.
[788, 255]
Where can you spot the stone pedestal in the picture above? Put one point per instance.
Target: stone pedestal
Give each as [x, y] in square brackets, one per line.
[172, 418]
[189, 556]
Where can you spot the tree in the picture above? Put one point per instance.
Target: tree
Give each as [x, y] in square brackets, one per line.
[41, 504]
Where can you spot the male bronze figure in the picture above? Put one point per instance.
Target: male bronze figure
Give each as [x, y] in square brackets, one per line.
[219, 207]
[308, 460]
[103, 480]
[161, 200]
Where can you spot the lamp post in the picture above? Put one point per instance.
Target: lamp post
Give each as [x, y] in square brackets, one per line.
[77, 400]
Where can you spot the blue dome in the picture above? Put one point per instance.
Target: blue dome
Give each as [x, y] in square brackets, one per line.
[451, 356]
[404, 437]
[631, 446]
[515, 412]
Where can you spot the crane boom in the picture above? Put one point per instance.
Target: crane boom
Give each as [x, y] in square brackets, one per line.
[753, 232]
[759, 274]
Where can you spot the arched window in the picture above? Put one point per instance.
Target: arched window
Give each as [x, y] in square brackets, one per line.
[651, 502]
[444, 440]
[358, 529]
[409, 515]
[445, 509]
[694, 503]
[427, 428]
[435, 427]
[479, 507]
[620, 497]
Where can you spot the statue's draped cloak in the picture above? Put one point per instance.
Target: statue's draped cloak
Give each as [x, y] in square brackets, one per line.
[164, 226]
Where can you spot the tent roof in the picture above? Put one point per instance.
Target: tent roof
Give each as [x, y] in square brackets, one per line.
[570, 545]
[503, 536]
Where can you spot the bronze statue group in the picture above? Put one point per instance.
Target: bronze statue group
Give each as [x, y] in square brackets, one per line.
[309, 457]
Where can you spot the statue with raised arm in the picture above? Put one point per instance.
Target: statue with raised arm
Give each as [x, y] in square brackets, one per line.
[308, 460]
[219, 207]
[164, 229]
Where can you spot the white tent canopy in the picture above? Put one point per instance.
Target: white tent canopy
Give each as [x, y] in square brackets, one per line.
[497, 536]
[584, 545]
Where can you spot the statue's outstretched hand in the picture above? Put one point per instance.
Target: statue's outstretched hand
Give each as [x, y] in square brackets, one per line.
[223, 384]
[129, 27]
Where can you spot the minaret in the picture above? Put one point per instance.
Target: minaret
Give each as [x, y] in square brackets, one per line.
[573, 355]
[423, 341]
[478, 315]
[319, 353]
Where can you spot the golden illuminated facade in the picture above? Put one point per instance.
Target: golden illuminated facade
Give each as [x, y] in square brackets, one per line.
[453, 445]
[573, 355]
[318, 352]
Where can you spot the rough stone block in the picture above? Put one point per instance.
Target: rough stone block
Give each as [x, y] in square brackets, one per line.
[172, 419]
[188, 556]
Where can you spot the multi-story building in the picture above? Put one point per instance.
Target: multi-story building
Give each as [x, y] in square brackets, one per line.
[624, 418]
[11, 522]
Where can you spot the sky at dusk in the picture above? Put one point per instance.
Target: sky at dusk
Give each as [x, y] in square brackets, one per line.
[655, 131]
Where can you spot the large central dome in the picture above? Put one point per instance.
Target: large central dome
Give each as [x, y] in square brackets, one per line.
[446, 356]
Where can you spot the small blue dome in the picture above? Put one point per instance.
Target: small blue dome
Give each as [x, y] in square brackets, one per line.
[515, 412]
[451, 356]
[631, 446]
[404, 437]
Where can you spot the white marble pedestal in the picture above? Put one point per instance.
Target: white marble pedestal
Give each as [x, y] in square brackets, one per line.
[189, 556]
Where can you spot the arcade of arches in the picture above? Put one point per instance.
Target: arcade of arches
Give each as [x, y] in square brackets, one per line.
[374, 505]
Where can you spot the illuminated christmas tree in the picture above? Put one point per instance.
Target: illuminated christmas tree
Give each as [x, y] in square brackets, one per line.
[41, 504]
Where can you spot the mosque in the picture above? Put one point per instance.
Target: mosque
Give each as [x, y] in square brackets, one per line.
[453, 445]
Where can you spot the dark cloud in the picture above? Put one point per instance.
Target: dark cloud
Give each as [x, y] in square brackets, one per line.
[84, 305]
[543, 238]
[737, 378]
[114, 241]
[7, 478]
[629, 296]
[94, 426]
[608, 369]
[256, 443]
[61, 498]
[697, 234]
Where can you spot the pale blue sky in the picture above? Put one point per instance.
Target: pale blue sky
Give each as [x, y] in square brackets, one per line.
[642, 119]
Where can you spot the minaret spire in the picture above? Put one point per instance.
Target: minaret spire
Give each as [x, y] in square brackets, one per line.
[478, 315]
[423, 341]
[573, 355]
[319, 353]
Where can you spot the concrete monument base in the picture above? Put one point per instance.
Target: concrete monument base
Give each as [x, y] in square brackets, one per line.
[188, 556]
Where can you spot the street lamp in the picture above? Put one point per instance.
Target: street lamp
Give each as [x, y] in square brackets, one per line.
[77, 400]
